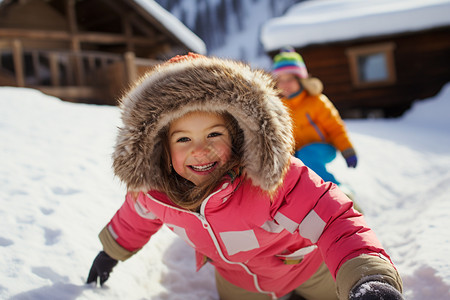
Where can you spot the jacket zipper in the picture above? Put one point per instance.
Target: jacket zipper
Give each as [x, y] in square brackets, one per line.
[207, 227]
[316, 128]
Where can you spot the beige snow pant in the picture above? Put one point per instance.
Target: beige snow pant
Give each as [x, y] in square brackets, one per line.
[321, 286]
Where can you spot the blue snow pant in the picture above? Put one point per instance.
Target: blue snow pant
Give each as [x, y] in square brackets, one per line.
[316, 156]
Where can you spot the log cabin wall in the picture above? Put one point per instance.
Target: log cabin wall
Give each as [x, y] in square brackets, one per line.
[422, 66]
[24, 17]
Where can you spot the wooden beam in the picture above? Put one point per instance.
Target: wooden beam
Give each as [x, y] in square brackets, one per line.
[128, 31]
[148, 31]
[103, 38]
[54, 69]
[70, 71]
[91, 62]
[35, 60]
[103, 62]
[75, 44]
[91, 37]
[134, 18]
[34, 34]
[72, 24]
[154, 21]
[71, 16]
[130, 66]
[18, 62]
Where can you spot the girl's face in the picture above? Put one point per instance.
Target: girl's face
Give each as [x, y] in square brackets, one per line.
[199, 142]
[288, 84]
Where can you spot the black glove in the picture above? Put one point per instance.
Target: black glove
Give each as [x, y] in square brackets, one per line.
[101, 267]
[374, 290]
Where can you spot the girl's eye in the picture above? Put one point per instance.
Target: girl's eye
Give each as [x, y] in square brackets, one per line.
[214, 134]
[183, 140]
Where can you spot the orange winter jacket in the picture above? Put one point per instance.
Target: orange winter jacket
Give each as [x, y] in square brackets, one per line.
[316, 120]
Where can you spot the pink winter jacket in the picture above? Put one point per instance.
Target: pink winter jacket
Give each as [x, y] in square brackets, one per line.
[260, 245]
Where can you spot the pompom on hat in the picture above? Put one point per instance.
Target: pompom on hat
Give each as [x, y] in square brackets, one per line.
[289, 62]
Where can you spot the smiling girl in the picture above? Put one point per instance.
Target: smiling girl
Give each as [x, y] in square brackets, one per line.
[206, 149]
[199, 142]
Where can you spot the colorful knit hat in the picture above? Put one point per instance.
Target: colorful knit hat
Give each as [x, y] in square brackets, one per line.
[289, 62]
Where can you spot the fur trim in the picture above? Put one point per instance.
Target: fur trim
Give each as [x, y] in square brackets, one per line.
[209, 84]
[312, 85]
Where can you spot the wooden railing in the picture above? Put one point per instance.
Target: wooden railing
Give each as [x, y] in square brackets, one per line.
[54, 68]
[82, 74]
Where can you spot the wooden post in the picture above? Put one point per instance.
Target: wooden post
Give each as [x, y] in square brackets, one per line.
[78, 67]
[18, 62]
[91, 62]
[74, 42]
[128, 30]
[130, 66]
[103, 62]
[69, 69]
[35, 59]
[54, 69]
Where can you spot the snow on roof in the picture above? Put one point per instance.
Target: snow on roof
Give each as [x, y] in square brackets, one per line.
[184, 34]
[321, 21]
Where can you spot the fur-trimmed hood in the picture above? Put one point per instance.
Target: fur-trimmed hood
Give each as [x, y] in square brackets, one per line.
[209, 84]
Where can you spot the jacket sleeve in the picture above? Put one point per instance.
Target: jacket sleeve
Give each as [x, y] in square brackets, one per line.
[345, 234]
[366, 267]
[321, 213]
[332, 124]
[129, 229]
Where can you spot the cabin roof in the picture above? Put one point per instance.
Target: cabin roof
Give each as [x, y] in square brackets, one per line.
[172, 25]
[324, 21]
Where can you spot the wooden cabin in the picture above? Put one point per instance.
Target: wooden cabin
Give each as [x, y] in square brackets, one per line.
[378, 74]
[86, 50]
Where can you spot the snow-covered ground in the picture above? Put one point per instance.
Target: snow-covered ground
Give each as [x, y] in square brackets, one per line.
[57, 191]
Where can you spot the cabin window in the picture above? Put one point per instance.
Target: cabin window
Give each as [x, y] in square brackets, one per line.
[372, 65]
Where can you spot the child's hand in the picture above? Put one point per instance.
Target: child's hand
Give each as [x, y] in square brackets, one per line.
[350, 157]
[373, 290]
[351, 161]
[101, 267]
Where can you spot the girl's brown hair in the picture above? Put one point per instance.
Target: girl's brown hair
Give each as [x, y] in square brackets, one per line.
[182, 191]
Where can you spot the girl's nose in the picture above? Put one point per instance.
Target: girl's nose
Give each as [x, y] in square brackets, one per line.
[200, 149]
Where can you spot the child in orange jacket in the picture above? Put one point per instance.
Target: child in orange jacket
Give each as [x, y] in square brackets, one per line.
[318, 127]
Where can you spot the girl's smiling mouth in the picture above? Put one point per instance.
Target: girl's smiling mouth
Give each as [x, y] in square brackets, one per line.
[203, 168]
